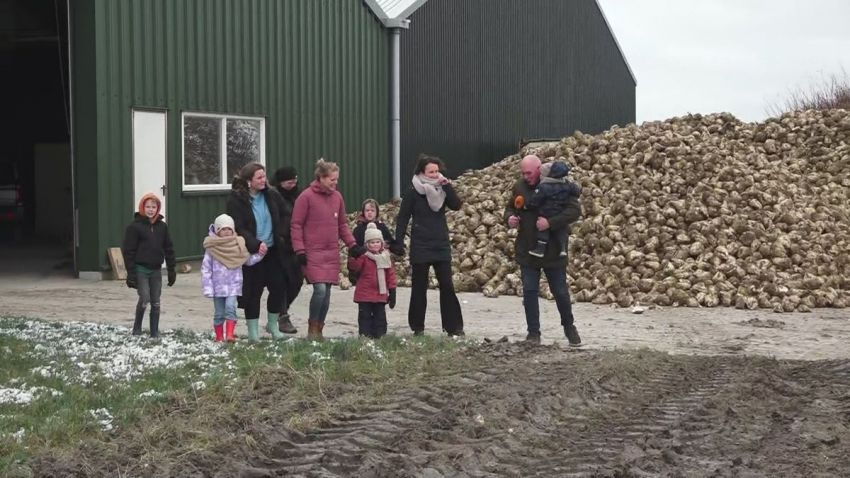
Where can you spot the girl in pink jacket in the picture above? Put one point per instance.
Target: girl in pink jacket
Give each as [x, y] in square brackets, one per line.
[318, 224]
[376, 284]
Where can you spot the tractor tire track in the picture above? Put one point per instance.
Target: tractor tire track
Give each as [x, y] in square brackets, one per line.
[552, 413]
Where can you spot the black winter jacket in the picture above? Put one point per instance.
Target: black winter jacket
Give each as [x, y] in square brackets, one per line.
[239, 208]
[429, 233]
[526, 238]
[360, 232]
[147, 244]
[286, 203]
[552, 194]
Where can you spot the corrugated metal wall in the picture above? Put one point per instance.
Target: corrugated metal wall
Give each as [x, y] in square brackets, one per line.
[478, 76]
[317, 70]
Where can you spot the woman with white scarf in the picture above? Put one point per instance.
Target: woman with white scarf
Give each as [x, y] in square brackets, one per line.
[424, 205]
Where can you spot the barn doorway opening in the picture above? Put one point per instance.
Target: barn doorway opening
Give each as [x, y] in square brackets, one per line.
[36, 189]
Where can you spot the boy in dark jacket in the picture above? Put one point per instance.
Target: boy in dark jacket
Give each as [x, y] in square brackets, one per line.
[146, 244]
[551, 196]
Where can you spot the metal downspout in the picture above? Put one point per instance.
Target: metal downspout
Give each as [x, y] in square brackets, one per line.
[395, 110]
[74, 206]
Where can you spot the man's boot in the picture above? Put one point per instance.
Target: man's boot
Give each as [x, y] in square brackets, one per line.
[284, 324]
[253, 330]
[533, 338]
[272, 326]
[219, 332]
[230, 330]
[572, 336]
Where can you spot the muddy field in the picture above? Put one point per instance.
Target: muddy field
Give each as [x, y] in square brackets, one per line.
[721, 394]
[511, 409]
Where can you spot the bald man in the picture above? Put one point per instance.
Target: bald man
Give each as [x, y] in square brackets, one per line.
[553, 264]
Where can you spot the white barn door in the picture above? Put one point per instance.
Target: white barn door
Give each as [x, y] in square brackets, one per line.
[149, 151]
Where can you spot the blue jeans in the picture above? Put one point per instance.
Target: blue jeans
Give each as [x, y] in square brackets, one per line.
[557, 278]
[320, 302]
[225, 309]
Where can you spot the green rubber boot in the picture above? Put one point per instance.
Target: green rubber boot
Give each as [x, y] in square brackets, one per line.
[272, 328]
[253, 330]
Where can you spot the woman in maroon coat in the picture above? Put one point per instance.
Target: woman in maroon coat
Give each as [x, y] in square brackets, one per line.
[318, 224]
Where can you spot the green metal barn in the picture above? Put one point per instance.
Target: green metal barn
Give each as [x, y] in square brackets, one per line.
[177, 95]
[113, 98]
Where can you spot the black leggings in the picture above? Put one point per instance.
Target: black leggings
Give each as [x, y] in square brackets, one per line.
[268, 273]
[450, 313]
[293, 280]
[372, 319]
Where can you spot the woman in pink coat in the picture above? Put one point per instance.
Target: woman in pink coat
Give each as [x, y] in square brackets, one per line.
[318, 224]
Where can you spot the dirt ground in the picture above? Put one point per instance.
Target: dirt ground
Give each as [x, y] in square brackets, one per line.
[546, 412]
[821, 334]
[722, 392]
[519, 410]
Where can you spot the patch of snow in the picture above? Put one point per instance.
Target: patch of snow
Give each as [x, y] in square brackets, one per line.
[15, 396]
[104, 351]
[103, 417]
[372, 349]
[24, 394]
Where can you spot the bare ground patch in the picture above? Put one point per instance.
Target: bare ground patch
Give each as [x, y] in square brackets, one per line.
[767, 323]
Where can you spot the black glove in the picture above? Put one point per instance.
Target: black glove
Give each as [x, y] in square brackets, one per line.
[397, 249]
[301, 259]
[131, 280]
[172, 276]
[356, 251]
[391, 302]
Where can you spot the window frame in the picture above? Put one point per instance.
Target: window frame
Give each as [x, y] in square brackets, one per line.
[222, 118]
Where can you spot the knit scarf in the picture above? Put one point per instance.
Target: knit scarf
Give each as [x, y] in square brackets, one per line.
[432, 190]
[382, 260]
[230, 250]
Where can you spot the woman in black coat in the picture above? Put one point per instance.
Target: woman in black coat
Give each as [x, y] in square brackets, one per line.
[424, 205]
[254, 208]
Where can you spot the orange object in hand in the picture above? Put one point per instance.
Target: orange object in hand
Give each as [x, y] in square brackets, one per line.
[519, 202]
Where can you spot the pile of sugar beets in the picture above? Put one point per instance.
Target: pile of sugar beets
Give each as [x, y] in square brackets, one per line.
[697, 211]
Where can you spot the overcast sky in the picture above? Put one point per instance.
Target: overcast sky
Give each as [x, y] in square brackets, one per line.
[739, 56]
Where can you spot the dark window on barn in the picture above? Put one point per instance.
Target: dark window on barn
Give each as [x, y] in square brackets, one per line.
[215, 147]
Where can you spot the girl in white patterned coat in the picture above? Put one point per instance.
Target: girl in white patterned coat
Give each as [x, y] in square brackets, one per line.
[221, 273]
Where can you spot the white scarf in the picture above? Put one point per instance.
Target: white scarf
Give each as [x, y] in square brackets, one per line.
[432, 189]
[382, 260]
